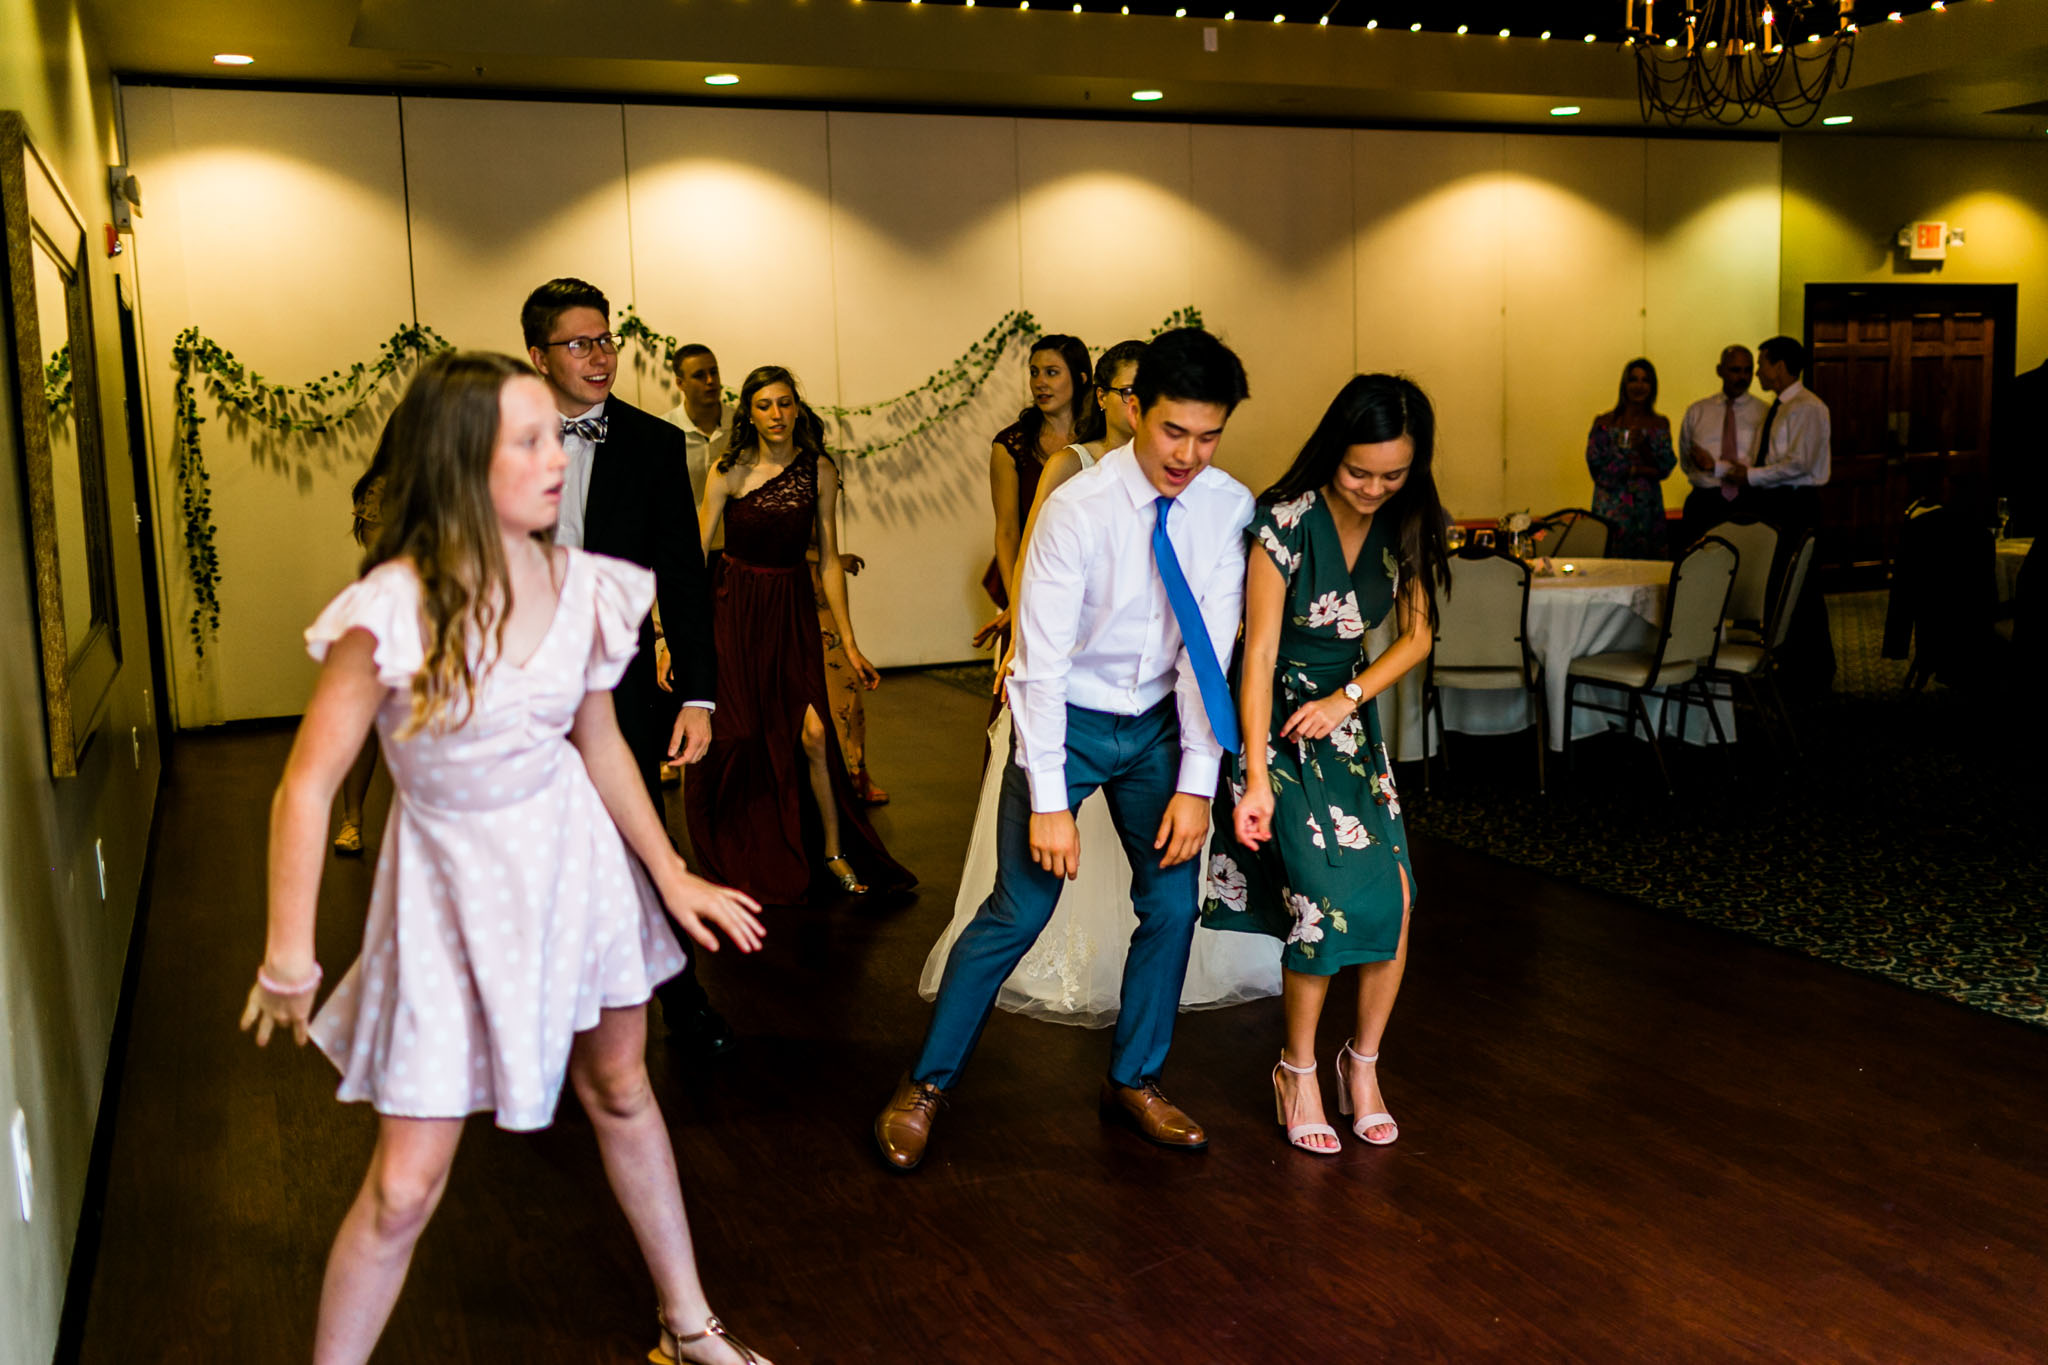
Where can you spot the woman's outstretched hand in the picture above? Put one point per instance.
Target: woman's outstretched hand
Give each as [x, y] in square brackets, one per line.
[1253, 817]
[997, 624]
[698, 906]
[267, 1011]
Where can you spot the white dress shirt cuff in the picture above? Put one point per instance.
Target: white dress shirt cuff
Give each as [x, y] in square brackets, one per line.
[1198, 774]
[1049, 789]
[702, 705]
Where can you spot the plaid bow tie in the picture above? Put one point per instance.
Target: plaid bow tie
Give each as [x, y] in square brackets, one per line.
[590, 429]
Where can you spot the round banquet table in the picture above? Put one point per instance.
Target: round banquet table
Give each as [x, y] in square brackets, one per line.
[1601, 606]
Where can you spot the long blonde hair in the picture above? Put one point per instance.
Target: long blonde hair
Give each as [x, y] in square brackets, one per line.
[437, 513]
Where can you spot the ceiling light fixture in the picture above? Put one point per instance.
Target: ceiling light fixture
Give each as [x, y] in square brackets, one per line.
[232, 59]
[1503, 33]
[1463, 29]
[1564, 111]
[1279, 18]
[722, 78]
[1147, 96]
[1323, 22]
[1545, 35]
[1589, 37]
[1415, 28]
[1728, 60]
[1372, 23]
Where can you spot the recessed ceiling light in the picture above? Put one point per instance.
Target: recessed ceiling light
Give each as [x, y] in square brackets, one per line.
[1589, 37]
[1372, 23]
[1564, 111]
[1415, 28]
[1279, 18]
[1147, 96]
[1464, 29]
[1230, 14]
[231, 59]
[1671, 42]
[1896, 17]
[722, 78]
[1837, 120]
[1323, 22]
[1180, 14]
[1546, 35]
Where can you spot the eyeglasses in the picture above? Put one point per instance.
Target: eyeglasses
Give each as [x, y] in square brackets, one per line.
[579, 347]
[1127, 391]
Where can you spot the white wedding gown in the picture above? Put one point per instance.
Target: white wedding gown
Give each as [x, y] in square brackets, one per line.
[1074, 973]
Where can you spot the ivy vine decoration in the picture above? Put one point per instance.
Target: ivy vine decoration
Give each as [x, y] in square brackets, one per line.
[317, 407]
[57, 381]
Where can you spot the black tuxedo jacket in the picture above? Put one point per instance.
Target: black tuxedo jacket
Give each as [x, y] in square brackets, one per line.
[641, 507]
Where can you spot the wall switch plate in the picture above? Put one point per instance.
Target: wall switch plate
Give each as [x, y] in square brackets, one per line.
[99, 858]
[24, 1174]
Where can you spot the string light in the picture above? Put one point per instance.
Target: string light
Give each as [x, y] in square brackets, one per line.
[1229, 14]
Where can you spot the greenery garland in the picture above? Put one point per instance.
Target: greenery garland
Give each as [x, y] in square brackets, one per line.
[297, 409]
[57, 381]
[287, 409]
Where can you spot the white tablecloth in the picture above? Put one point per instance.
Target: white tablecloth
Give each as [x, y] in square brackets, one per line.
[2011, 554]
[1603, 605]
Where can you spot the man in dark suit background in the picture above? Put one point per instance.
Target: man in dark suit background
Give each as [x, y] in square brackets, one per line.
[627, 494]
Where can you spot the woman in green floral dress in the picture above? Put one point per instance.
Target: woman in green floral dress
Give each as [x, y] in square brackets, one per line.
[1351, 532]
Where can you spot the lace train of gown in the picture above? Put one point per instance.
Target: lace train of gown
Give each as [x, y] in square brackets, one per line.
[1074, 973]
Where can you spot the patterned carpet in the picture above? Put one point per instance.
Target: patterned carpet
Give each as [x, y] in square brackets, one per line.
[1901, 848]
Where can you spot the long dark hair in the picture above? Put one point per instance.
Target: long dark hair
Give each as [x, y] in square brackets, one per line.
[746, 439]
[437, 513]
[1368, 410]
[1074, 356]
[1621, 392]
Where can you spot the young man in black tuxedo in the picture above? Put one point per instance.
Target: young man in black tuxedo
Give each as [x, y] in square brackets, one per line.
[627, 494]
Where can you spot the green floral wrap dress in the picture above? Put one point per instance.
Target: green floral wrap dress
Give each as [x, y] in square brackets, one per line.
[1329, 880]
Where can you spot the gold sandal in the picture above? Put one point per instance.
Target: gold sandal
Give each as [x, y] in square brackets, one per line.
[712, 1328]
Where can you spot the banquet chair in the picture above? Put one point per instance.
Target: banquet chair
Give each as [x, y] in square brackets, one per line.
[1749, 601]
[1743, 663]
[1481, 645]
[1695, 604]
[1575, 533]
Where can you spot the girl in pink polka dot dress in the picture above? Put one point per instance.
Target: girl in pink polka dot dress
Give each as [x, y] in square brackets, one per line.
[516, 928]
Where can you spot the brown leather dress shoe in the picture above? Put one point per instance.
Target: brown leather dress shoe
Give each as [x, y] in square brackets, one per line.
[1152, 1116]
[905, 1125]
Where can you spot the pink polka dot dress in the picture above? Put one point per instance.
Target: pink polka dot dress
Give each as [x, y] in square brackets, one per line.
[507, 910]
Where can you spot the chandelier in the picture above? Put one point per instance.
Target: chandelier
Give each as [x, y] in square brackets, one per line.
[1729, 60]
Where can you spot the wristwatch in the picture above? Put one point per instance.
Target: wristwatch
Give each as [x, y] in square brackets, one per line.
[1354, 693]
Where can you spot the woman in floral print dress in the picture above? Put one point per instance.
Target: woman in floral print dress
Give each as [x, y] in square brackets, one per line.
[1319, 858]
[1629, 454]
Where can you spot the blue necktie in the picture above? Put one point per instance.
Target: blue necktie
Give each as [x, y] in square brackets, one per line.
[1194, 633]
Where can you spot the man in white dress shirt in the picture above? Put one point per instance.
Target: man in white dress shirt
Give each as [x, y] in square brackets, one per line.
[702, 416]
[1109, 692]
[1718, 433]
[1781, 486]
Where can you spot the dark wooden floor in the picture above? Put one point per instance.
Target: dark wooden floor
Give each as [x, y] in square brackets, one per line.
[1623, 1138]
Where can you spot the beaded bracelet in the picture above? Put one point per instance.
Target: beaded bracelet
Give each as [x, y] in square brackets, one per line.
[269, 983]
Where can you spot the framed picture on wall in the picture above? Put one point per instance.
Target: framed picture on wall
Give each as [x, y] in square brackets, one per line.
[57, 429]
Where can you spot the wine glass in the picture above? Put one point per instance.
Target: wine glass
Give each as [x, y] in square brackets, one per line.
[1454, 537]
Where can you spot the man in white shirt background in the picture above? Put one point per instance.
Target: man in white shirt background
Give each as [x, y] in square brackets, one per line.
[702, 416]
[1718, 433]
[1128, 606]
[1781, 486]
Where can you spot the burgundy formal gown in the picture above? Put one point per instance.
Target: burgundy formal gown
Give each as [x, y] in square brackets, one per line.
[748, 803]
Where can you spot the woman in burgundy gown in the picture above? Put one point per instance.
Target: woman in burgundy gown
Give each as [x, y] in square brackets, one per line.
[771, 737]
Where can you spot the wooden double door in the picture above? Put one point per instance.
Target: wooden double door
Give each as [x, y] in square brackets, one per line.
[1910, 374]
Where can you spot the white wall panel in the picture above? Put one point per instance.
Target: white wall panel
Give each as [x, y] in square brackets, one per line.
[732, 240]
[1431, 270]
[925, 252]
[1273, 277]
[1103, 209]
[506, 195]
[1711, 231]
[1574, 304]
[276, 226]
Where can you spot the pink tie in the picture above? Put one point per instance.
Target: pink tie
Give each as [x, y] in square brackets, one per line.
[1728, 451]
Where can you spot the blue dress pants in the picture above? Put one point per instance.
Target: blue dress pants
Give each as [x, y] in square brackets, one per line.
[1135, 760]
